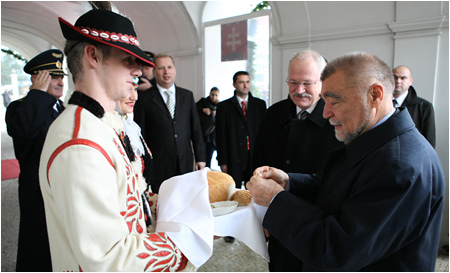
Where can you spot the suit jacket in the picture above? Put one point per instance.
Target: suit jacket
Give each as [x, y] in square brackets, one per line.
[378, 206]
[293, 145]
[422, 113]
[27, 121]
[170, 139]
[232, 130]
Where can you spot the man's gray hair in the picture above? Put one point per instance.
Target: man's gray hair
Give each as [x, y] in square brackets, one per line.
[309, 53]
[360, 69]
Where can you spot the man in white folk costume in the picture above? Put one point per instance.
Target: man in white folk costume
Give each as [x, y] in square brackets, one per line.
[93, 202]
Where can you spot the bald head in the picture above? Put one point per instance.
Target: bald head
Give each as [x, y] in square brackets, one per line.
[403, 80]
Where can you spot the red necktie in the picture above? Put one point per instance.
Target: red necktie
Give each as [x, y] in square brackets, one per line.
[244, 110]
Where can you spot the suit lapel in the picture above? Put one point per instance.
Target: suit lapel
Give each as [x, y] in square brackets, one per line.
[158, 100]
[179, 100]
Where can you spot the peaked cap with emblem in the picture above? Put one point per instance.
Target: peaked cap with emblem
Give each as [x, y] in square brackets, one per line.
[50, 60]
[106, 27]
[150, 55]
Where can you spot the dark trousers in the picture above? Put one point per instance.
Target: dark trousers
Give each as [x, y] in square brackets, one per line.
[156, 184]
[33, 252]
[210, 148]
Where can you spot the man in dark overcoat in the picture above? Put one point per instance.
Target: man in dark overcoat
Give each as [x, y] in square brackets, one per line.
[294, 137]
[378, 204]
[421, 110]
[169, 133]
[237, 122]
[27, 121]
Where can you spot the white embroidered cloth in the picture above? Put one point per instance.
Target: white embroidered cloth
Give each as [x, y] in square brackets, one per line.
[185, 214]
[245, 224]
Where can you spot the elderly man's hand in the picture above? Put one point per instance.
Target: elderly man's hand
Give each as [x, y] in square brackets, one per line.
[41, 80]
[263, 190]
[275, 174]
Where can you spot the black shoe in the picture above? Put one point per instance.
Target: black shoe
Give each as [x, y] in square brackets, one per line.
[229, 239]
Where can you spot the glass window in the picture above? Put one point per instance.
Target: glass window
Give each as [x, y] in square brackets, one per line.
[220, 66]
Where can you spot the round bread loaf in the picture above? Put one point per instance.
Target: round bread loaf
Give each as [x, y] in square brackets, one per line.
[221, 186]
[243, 197]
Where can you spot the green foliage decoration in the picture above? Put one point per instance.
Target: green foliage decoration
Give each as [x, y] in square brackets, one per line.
[264, 5]
[14, 54]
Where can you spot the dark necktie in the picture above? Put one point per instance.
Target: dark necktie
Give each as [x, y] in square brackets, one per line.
[59, 107]
[395, 103]
[303, 114]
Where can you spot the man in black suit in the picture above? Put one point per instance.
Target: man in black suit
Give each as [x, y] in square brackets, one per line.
[421, 110]
[237, 122]
[27, 121]
[168, 117]
[294, 136]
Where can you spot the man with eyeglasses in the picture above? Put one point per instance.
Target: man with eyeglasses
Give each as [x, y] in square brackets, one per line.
[378, 204]
[294, 137]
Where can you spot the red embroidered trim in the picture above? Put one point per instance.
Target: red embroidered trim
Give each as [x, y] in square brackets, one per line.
[73, 142]
[161, 254]
[77, 122]
[108, 36]
[76, 141]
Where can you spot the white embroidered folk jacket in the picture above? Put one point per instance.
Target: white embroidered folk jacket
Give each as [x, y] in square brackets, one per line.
[93, 203]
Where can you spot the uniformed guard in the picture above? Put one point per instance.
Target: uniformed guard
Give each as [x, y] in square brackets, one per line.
[28, 120]
[147, 79]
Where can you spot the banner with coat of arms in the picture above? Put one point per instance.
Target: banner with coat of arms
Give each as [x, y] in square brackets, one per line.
[234, 41]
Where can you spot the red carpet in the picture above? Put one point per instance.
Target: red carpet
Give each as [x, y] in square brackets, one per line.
[10, 169]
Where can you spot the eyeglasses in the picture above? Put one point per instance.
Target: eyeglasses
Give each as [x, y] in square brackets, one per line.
[294, 84]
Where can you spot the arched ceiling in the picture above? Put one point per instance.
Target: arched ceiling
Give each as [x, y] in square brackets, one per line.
[31, 27]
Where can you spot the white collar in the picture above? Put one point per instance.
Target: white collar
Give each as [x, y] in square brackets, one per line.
[240, 100]
[401, 98]
[162, 89]
[309, 110]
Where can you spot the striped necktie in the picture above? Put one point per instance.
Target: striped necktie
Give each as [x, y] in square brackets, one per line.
[170, 103]
[303, 114]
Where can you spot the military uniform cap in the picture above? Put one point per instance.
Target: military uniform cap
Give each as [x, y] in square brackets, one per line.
[150, 55]
[50, 60]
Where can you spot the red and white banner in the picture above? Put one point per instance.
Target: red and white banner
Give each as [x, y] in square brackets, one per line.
[234, 41]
